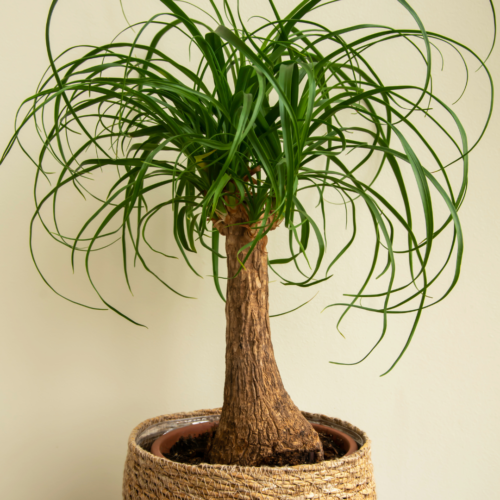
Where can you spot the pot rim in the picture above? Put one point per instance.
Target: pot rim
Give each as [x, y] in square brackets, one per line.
[165, 442]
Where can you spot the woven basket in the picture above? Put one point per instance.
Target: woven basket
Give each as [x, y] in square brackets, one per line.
[151, 478]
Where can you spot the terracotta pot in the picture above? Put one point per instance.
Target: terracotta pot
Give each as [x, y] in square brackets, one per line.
[164, 443]
[341, 439]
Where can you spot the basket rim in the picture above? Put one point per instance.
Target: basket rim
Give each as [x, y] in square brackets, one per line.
[135, 447]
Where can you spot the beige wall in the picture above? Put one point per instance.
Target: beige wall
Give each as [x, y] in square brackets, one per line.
[73, 383]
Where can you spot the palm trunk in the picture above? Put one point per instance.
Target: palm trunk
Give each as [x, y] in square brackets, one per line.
[260, 424]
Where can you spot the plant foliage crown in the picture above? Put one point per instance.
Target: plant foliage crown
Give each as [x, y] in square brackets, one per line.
[257, 125]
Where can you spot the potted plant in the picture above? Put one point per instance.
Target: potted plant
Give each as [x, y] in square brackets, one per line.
[241, 141]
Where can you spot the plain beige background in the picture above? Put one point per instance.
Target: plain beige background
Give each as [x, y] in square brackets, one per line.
[73, 383]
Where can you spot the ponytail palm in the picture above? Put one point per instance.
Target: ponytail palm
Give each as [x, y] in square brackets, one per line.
[237, 145]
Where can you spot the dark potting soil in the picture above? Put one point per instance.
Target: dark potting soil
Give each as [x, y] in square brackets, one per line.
[193, 450]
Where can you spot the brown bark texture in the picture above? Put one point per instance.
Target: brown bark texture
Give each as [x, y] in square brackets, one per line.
[260, 424]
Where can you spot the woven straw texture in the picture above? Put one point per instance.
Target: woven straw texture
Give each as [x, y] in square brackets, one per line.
[151, 478]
